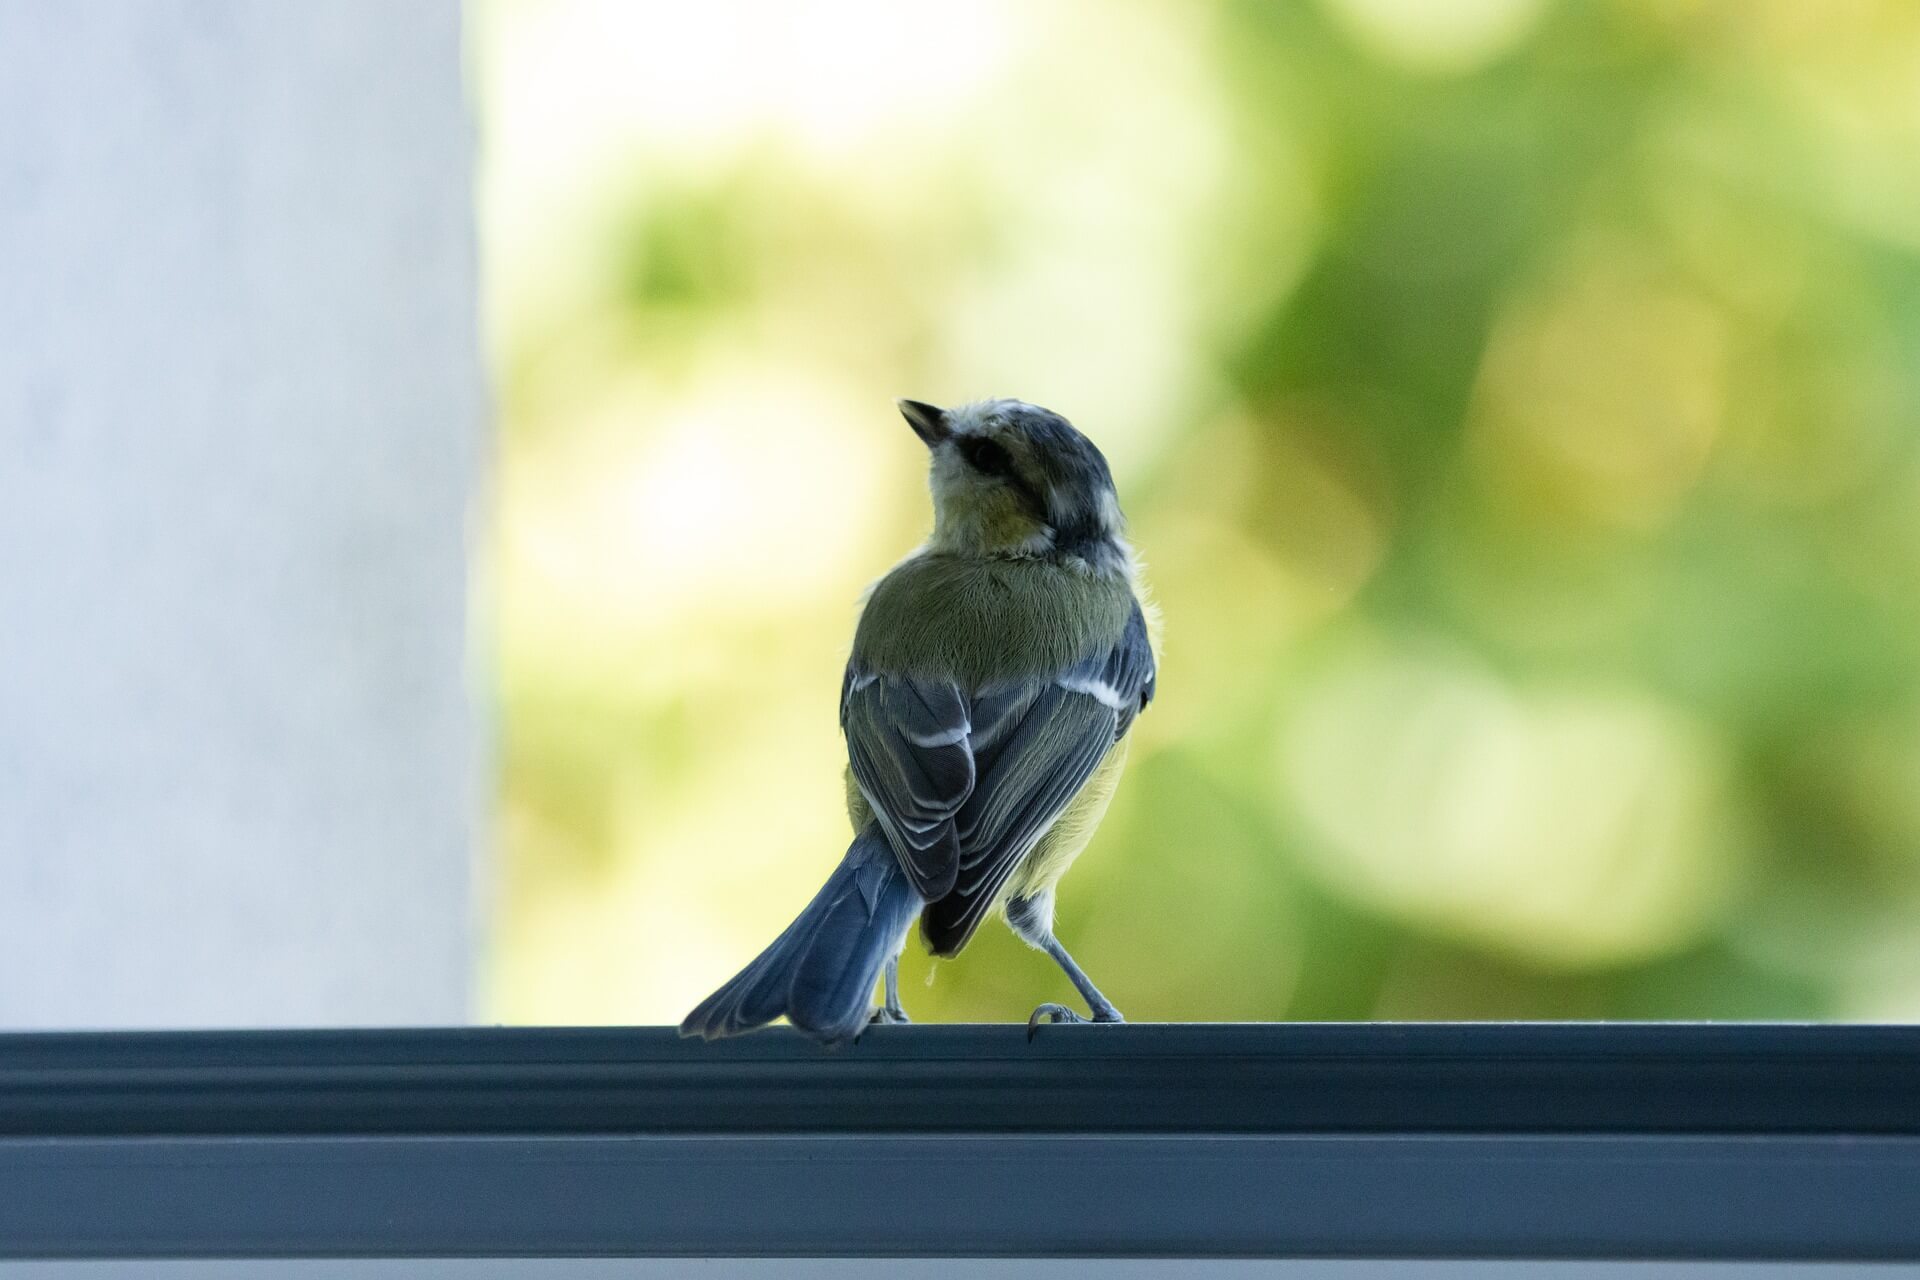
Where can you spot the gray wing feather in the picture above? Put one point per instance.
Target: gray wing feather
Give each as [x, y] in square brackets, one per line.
[1130, 670]
[1045, 757]
[907, 741]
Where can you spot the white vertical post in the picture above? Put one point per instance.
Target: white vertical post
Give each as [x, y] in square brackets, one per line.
[241, 421]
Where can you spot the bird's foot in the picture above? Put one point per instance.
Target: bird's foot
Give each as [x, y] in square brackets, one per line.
[884, 1016]
[1058, 1013]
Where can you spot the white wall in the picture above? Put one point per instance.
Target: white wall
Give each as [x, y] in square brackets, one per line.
[241, 422]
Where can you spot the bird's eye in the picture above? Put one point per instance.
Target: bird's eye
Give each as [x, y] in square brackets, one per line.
[985, 456]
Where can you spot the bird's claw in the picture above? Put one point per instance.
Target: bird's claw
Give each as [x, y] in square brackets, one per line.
[1050, 1013]
[888, 1017]
[1058, 1013]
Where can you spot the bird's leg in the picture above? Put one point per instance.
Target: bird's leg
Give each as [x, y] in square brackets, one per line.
[1031, 919]
[894, 1012]
[891, 1010]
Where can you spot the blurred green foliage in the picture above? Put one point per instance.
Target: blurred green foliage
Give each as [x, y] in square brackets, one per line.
[1514, 401]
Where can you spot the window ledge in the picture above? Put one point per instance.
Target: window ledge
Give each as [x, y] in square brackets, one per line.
[1711, 1141]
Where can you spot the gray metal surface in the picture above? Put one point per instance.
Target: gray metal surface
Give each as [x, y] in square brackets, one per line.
[936, 1269]
[1362, 1142]
[1140, 1078]
[1318, 1196]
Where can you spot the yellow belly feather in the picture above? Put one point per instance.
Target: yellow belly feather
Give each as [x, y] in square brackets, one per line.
[1070, 832]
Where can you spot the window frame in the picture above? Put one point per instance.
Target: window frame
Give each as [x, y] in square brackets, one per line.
[1541, 1141]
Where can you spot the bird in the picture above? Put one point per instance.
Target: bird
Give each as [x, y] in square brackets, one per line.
[994, 676]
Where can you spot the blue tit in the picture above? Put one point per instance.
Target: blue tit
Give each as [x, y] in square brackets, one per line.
[994, 676]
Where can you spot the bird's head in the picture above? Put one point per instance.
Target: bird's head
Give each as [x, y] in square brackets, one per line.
[1013, 479]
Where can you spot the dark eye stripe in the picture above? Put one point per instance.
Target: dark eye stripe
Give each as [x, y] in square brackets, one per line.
[992, 459]
[986, 457]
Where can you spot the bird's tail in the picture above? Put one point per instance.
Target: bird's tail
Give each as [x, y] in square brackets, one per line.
[819, 974]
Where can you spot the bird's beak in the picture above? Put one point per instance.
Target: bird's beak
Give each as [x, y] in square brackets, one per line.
[929, 422]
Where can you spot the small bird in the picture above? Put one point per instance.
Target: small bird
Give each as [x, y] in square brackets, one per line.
[994, 676]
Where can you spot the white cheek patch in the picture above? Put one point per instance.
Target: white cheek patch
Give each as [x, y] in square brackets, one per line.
[948, 477]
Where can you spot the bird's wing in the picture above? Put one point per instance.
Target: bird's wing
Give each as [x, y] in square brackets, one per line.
[1053, 740]
[909, 742]
[1128, 669]
[1035, 744]
[965, 786]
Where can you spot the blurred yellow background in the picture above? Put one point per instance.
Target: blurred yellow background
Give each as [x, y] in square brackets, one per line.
[1514, 401]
